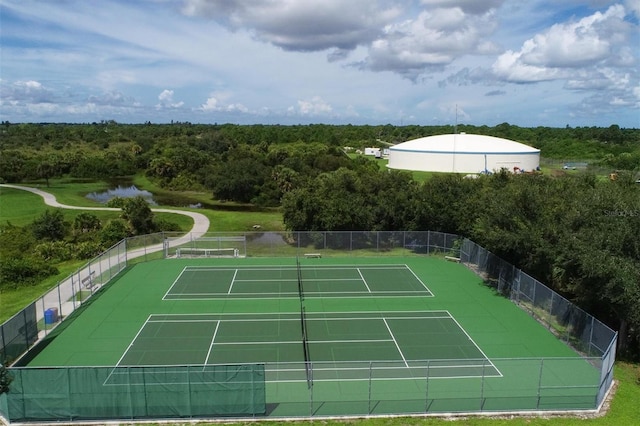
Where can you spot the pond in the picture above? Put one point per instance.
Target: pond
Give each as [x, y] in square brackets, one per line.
[126, 189]
[121, 191]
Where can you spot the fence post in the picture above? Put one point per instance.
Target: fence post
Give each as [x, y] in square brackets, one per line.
[591, 335]
[59, 298]
[189, 391]
[69, 393]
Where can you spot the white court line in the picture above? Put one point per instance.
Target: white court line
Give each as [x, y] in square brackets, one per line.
[474, 343]
[297, 342]
[315, 279]
[233, 280]
[215, 332]
[419, 280]
[283, 342]
[280, 319]
[127, 350]
[293, 268]
[277, 314]
[174, 283]
[363, 280]
[396, 343]
[272, 296]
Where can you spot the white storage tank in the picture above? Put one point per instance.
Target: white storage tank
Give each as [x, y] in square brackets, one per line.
[463, 153]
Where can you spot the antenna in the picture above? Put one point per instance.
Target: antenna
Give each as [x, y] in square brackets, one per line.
[455, 131]
[455, 127]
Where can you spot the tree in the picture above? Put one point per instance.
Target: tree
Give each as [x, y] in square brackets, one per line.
[86, 222]
[113, 231]
[239, 180]
[137, 212]
[5, 379]
[45, 170]
[49, 225]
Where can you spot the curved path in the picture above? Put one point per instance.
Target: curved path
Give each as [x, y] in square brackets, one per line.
[63, 295]
[200, 221]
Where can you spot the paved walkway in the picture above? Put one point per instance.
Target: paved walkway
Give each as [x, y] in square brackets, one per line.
[62, 297]
[200, 221]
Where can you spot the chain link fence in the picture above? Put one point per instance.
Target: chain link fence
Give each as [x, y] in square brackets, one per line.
[588, 336]
[583, 332]
[38, 319]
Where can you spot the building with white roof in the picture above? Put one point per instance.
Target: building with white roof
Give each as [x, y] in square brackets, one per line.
[463, 153]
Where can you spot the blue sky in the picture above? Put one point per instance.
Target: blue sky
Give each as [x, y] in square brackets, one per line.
[426, 62]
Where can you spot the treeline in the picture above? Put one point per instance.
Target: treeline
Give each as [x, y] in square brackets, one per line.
[259, 163]
[29, 252]
[579, 235]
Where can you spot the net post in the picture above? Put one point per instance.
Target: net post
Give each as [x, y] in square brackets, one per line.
[540, 383]
[310, 385]
[482, 386]
[131, 407]
[189, 402]
[426, 392]
[370, 374]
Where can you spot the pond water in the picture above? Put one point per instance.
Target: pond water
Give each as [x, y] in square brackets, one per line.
[126, 189]
[121, 191]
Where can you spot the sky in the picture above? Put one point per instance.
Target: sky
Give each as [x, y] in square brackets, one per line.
[529, 63]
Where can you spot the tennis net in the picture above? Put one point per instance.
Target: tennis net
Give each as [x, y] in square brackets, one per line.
[303, 324]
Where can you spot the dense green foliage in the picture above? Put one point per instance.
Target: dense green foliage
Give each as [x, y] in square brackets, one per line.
[577, 233]
[258, 163]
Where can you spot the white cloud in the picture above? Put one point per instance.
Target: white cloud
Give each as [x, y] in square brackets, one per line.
[113, 98]
[301, 25]
[633, 6]
[217, 103]
[315, 106]
[553, 54]
[210, 105]
[166, 100]
[397, 41]
[433, 40]
[359, 61]
[26, 91]
[469, 6]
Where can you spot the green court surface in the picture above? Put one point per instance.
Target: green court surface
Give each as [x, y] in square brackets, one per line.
[337, 336]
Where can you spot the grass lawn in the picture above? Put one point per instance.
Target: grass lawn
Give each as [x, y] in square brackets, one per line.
[14, 300]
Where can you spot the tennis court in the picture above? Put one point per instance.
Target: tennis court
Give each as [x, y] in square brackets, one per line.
[326, 337]
[407, 338]
[202, 282]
